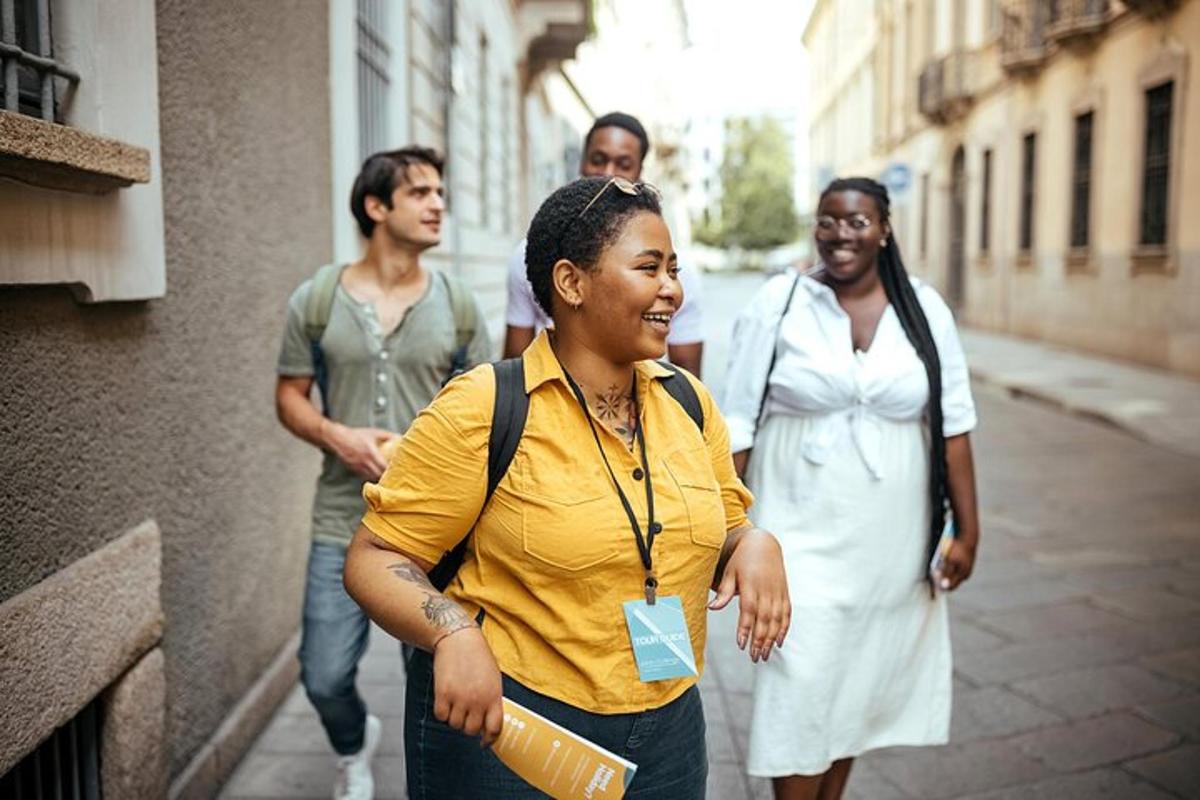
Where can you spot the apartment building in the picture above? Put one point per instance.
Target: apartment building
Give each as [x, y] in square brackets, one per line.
[1042, 155]
[169, 172]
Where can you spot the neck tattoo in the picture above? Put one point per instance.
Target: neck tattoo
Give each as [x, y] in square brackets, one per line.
[616, 410]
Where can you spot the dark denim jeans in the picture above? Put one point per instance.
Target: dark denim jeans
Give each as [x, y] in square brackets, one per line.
[333, 640]
[667, 744]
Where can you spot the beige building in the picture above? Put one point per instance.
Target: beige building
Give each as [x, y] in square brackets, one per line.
[169, 172]
[1043, 157]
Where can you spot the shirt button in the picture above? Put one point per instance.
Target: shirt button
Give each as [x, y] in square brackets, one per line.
[381, 377]
[383, 354]
[380, 401]
[656, 528]
[638, 474]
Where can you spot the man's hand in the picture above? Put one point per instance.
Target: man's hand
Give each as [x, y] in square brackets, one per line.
[358, 448]
[755, 573]
[466, 685]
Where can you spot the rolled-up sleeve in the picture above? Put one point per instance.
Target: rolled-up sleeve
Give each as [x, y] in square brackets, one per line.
[958, 405]
[750, 352]
[434, 487]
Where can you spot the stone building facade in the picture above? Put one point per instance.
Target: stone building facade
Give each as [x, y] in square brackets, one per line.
[1042, 155]
[188, 167]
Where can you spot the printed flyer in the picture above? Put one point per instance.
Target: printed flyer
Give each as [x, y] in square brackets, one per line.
[556, 761]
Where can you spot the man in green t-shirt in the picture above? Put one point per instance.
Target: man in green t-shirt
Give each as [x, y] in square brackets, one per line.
[379, 337]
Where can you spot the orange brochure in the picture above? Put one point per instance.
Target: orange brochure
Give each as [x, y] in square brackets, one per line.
[551, 758]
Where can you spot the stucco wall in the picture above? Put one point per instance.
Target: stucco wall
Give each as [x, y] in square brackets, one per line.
[115, 413]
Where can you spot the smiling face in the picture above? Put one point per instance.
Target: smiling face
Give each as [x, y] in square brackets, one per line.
[610, 151]
[415, 216]
[849, 233]
[629, 297]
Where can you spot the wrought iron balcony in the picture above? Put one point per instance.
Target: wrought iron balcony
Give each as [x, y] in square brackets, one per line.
[1023, 43]
[1152, 8]
[946, 87]
[1076, 21]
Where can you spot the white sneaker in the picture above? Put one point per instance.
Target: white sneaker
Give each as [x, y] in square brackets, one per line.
[355, 781]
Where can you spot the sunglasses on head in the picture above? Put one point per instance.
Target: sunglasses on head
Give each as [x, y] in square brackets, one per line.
[625, 186]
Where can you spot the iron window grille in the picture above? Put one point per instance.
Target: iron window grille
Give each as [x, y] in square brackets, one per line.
[27, 66]
[1028, 165]
[1156, 164]
[1081, 181]
[485, 133]
[374, 76]
[65, 767]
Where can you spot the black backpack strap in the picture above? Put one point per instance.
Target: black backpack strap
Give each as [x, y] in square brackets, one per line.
[509, 412]
[681, 389]
[510, 409]
[762, 400]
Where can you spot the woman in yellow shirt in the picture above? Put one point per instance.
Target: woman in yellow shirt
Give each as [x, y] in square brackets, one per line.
[618, 510]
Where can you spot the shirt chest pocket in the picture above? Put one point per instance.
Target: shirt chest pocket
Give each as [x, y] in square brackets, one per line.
[691, 470]
[571, 534]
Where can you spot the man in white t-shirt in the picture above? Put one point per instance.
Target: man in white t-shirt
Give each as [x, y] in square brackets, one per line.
[617, 144]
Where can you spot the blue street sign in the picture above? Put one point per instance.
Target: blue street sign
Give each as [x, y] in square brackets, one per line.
[897, 178]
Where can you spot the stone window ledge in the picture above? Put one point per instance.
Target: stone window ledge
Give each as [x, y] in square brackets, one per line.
[1152, 259]
[59, 157]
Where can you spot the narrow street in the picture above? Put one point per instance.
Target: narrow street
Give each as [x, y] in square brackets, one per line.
[1077, 641]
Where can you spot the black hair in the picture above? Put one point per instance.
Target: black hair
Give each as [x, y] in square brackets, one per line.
[559, 231]
[379, 175]
[617, 119]
[903, 298]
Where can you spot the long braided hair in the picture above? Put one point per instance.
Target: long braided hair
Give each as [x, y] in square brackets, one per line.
[900, 294]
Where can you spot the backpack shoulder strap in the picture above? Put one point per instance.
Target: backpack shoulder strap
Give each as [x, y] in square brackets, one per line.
[463, 307]
[681, 389]
[509, 412]
[320, 300]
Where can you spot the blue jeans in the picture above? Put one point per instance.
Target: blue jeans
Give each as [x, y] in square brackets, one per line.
[667, 744]
[333, 639]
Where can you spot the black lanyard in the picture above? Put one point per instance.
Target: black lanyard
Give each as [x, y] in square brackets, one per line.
[644, 542]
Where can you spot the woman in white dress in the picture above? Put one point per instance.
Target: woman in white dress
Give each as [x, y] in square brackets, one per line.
[849, 388]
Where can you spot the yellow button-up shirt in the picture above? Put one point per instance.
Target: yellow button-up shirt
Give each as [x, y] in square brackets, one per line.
[553, 556]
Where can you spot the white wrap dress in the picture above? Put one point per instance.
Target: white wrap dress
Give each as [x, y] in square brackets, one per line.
[840, 468]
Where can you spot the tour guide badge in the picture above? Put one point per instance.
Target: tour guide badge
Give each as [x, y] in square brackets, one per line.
[657, 627]
[661, 643]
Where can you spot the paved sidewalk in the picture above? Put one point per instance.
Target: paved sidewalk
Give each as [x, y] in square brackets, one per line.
[1077, 641]
[1154, 405]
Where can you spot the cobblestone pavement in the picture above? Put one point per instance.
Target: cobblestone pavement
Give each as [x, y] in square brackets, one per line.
[1077, 642]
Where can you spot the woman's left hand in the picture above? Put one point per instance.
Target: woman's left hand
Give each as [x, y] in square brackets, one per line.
[754, 572]
[957, 565]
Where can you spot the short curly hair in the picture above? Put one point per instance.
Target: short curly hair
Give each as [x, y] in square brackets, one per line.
[560, 228]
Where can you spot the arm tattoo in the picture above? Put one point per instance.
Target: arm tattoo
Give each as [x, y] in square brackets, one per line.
[441, 612]
[444, 613]
[408, 571]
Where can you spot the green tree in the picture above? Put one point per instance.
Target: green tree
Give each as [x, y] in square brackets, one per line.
[757, 208]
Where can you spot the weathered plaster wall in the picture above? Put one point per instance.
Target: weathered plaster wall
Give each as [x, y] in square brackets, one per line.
[116, 413]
